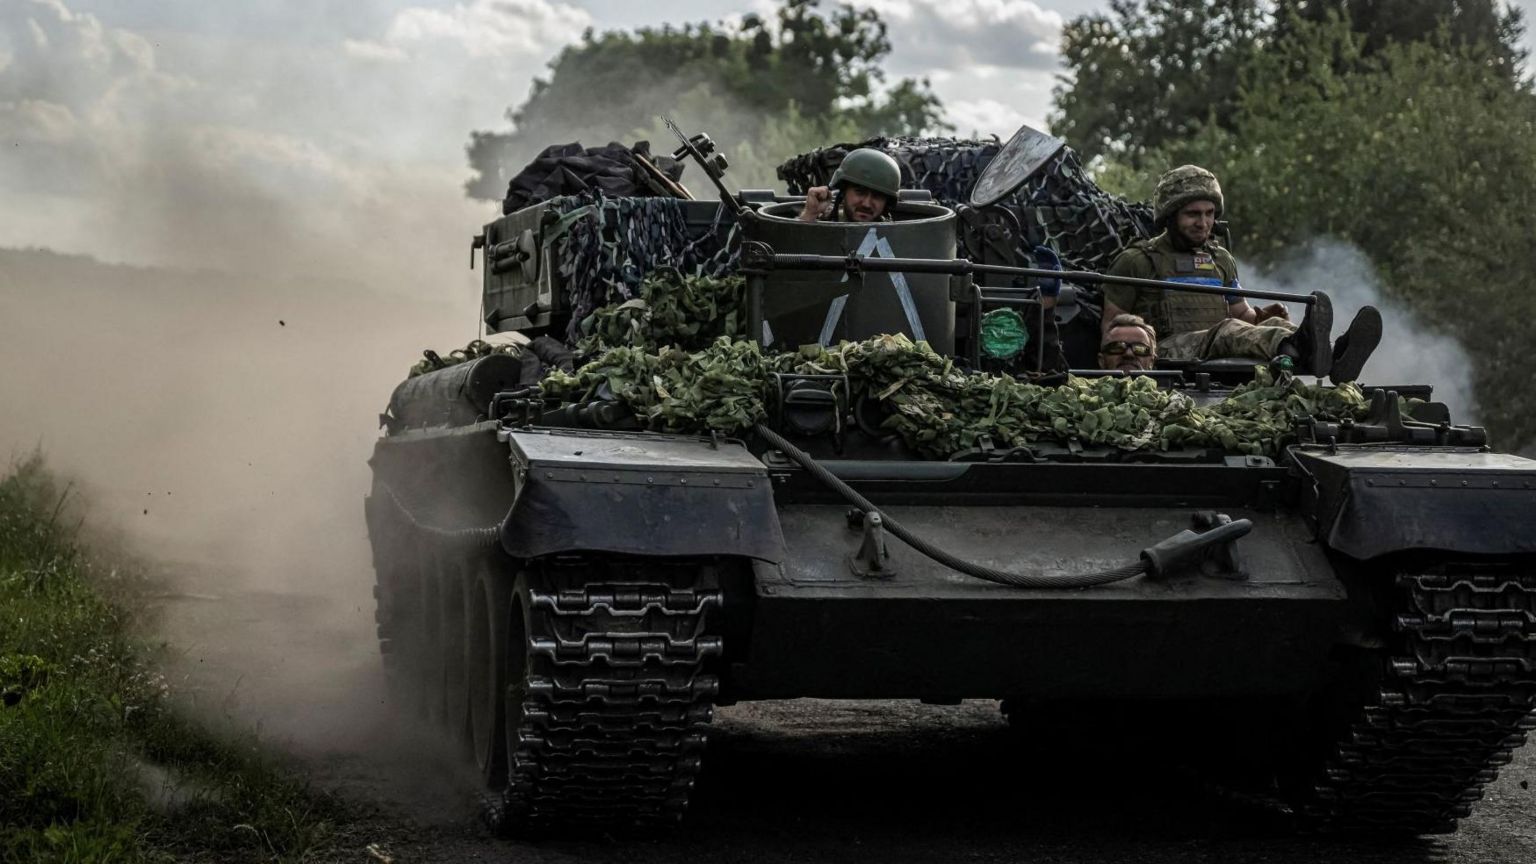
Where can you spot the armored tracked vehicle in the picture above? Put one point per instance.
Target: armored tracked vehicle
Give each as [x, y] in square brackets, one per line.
[569, 592]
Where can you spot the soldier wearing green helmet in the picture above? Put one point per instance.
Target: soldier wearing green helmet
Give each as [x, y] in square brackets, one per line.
[1192, 326]
[862, 189]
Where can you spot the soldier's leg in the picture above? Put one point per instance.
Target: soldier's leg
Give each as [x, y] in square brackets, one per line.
[1307, 348]
[1234, 338]
[1183, 346]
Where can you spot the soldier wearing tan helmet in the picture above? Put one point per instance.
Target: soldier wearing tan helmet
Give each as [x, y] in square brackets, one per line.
[1192, 326]
[863, 189]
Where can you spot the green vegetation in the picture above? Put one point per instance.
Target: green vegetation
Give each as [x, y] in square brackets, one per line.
[940, 410]
[677, 359]
[1404, 131]
[95, 766]
[1149, 73]
[804, 79]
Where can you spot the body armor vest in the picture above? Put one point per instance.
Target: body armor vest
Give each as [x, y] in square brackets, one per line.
[1182, 311]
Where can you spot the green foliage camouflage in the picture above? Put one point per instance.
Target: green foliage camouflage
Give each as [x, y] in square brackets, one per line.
[688, 312]
[674, 382]
[939, 409]
[672, 390]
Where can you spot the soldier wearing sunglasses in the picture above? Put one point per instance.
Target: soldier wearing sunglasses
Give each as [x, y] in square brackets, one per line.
[1129, 344]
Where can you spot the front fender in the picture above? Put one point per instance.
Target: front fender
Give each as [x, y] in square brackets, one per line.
[638, 494]
[1370, 500]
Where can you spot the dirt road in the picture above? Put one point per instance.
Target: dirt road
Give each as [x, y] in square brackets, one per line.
[805, 781]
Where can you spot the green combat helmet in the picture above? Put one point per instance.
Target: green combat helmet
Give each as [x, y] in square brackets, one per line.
[871, 169]
[1182, 185]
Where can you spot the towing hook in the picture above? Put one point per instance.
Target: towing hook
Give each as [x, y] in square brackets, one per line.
[1190, 549]
[872, 560]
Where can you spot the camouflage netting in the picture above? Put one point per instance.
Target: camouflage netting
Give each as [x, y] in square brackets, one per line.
[605, 247]
[937, 409]
[1060, 206]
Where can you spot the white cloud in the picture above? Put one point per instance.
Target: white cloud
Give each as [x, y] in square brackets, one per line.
[61, 63]
[41, 122]
[288, 156]
[210, 146]
[990, 62]
[986, 117]
[365, 50]
[954, 34]
[482, 28]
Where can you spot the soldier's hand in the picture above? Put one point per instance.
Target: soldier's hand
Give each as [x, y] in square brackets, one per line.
[1273, 310]
[818, 204]
[1047, 259]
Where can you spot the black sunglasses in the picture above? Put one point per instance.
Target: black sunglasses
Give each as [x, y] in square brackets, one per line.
[1140, 349]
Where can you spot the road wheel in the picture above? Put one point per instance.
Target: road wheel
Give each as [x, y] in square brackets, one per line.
[394, 577]
[453, 607]
[429, 678]
[485, 632]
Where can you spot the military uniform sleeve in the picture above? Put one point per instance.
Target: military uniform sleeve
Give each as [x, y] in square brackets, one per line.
[1228, 267]
[1131, 262]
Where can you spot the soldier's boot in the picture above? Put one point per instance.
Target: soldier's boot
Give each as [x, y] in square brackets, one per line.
[1307, 349]
[1356, 345]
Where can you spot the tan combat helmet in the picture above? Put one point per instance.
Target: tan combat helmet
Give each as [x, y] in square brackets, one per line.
[1182, 185]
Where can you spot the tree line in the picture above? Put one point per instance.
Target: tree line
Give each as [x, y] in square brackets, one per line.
[767, 89]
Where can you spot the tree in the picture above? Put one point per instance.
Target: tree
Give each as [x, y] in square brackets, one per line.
[823, 66]
[1411, 152]
[1478, 25]
[1152, 71]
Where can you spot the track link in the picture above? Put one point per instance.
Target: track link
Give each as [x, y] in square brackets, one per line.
[616, 695]
[1454, 703]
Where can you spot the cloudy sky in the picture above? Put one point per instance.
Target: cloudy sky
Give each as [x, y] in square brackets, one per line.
[320, 136]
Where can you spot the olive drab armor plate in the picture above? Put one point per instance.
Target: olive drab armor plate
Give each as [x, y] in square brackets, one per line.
[1179, 311]
[1185, 313]
[1024, 154]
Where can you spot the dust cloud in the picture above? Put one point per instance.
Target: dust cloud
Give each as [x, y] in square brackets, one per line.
[275, 232]
[300, 244]
[1410, 353]
[220, 423]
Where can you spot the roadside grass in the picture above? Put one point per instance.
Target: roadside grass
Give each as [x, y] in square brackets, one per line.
[95, 763]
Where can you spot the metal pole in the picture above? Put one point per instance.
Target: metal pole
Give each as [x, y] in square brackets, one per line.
[862, 263]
